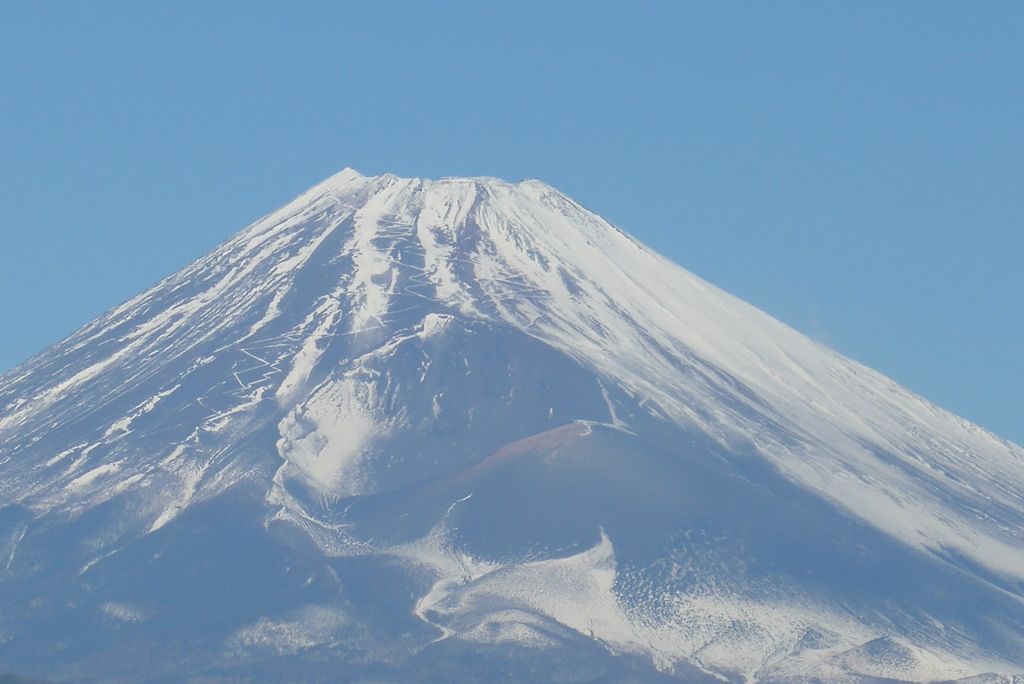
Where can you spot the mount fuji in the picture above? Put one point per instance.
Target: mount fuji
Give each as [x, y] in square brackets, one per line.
[464, 430]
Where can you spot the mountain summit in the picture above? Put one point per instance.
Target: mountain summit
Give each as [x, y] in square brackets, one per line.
[463, 430]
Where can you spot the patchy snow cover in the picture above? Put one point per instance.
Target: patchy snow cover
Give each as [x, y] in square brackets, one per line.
[719, 629]
[289, 634]
[123, 612]
[325, 438]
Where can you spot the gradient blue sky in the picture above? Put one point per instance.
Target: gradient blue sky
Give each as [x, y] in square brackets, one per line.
[854, 169]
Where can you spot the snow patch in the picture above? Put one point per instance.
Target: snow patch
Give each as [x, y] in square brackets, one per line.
[124, 612]
[88, 478]
[434, 324]
[325, 438]
[296, 631]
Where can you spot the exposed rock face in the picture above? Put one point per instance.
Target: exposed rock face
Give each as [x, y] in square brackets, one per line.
[462, 430]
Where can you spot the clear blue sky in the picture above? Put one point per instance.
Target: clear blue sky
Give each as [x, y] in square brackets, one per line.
[855, 169]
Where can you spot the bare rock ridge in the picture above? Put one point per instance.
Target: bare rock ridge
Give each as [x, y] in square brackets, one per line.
[465, 430]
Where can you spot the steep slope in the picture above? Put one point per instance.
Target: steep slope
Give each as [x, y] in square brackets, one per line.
[399, 420]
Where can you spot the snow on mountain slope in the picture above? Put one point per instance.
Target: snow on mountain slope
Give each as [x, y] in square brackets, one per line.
[678, 556]
[379, 333]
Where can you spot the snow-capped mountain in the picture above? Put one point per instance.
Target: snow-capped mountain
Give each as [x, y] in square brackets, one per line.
[464, 430]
